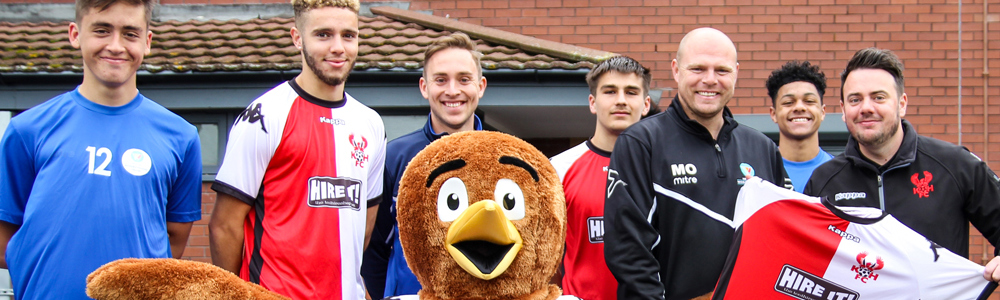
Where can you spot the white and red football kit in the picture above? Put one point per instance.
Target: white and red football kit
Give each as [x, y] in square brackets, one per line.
[310, 169]
[791, 247]
[583, 171]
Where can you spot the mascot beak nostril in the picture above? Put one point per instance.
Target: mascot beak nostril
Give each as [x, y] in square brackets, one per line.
[483, 241]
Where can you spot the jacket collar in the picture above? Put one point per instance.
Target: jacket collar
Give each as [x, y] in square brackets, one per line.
[906, 154]
[433, 136]
[696, 128]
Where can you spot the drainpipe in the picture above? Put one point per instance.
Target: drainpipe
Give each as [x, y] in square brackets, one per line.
[986, 112]
[960, 72]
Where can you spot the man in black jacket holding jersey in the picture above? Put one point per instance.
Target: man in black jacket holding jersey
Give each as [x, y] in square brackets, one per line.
[674, 177]
[934, 187]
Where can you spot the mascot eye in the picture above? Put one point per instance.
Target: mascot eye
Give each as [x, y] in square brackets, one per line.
[508, 194]
[452, 199]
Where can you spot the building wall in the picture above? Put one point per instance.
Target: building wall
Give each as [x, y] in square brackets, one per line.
[767, 33]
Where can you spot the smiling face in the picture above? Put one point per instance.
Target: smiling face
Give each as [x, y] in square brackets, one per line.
[798, 110]
[872, 108]
[452, 86]
[113, 42]
[620, 101]
[705, 71]
[468, 199]
[328, 38]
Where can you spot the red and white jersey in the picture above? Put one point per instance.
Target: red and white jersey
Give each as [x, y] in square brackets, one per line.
[791, 247]
[583, 171]
[309, 168]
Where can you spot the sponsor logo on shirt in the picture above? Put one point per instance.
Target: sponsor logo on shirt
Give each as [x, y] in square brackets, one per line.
[340, 192]
[849, 196]
[845, 235]
[747, 171]
[252, 114]
[595, 228]
[867, 266]
[136, 162]
[613, 181]
[923, 186]
[800, 284]
[358, 154]
[684, 173]
[332, 121]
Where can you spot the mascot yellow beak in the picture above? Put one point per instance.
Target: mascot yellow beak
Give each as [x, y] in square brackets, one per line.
[483, 241]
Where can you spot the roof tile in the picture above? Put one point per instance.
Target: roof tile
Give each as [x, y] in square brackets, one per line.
[250, 45]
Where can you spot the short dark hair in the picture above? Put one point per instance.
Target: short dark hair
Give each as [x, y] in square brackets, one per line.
[302, 6]
[457, 40]
[795, 71]
[84, 6]
[874, 58]
[620, 64]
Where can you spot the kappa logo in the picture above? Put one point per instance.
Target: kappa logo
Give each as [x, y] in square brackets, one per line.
[340, 192]
[332, 121]
[358, 154]
[866, 267]
[843, 234]
[595, 229]
[803, 285]
[684, 173]
[923, 186]
[252, 114]
[849, 196]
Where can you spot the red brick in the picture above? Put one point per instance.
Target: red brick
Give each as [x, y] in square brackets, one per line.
[698, 11]
[550, 22]
[712, 2]
[629, 21]
[535, 30]
[811, 28]
[821, 19]
[916, 9]
[766, 19]
[508, 13]
[793, 20]
[562, 12]
[521, 21]
[468, 4]
[707, 20]
[438, 5]
[535, 12]
[602, 20]
[615, 11]
[482, 13]
[683, 20]
[806, 10]
[575, 3]
[725, 10]
[739, 19]
[495, 4]
[860, 27]
[752, 10]
[574, 20]
[589, 11]
[549, 3]
[522, 3]
[641, 29]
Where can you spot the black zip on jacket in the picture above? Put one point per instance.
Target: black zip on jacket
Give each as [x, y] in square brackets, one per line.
[671, 197]
[934, 187]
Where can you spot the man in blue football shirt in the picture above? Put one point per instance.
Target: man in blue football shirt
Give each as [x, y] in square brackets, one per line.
[796, 92]
[98, 173]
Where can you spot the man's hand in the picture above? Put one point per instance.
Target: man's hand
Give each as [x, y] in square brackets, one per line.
[992, 272]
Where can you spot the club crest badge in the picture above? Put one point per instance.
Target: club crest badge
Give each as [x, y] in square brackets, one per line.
[358, 154]
[923, 186]
[867, 266]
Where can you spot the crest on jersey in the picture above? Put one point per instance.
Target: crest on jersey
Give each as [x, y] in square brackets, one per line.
[358, 154]
[867, 266]
[923, 186]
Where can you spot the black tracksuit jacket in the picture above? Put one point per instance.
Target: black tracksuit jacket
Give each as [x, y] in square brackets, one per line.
[671, 197]
[934, 187]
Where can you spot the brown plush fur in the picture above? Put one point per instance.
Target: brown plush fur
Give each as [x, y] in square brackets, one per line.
[133, 278]
[543, 227]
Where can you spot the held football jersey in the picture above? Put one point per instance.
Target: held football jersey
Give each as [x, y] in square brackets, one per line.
[309, 168]
[790, 247]
[583, 171]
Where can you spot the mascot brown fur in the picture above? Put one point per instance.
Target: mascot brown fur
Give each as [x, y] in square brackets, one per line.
[443, 227]
[133, 278]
